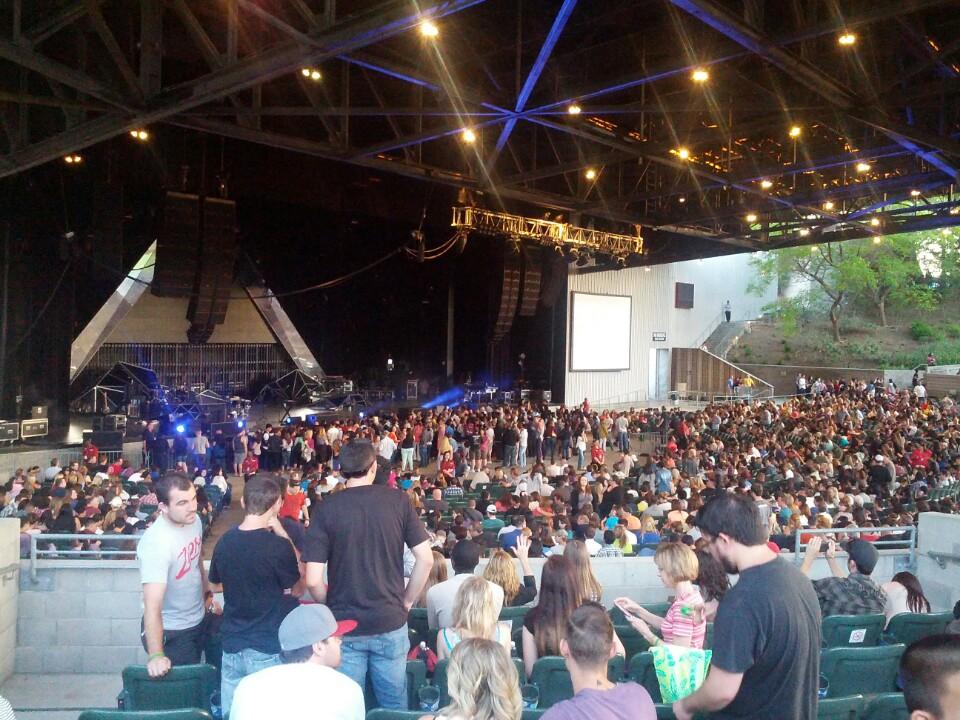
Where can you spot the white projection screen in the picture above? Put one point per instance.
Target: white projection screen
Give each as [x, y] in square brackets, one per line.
[599, 332]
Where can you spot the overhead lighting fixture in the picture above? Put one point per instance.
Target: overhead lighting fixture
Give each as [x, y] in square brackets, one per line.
[751, 217]
[646, 269]
[795, 131]
[828, 205]
[311, 73]
[73, 159]
[315, 75]
[468, 136]
[682, 199]
[877, 240]
[875, 222]
[574, 109]
[766, 184]
[591, 174]
[683, 153]
[847, 39]
[429, 29]
[914, 193]
[140, 134]
[305, 72]
[863, 167]
[700, 75]
[804, 232]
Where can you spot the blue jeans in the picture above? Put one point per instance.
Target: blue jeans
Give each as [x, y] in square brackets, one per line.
[509, 455]
[424, 455]
[385, 655]
[235, 667]
[623, 439]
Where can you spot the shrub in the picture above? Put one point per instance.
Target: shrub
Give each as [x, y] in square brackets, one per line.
[921, 331]
[952, 330]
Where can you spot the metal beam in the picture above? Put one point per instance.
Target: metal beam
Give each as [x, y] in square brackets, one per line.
[113, 49]
[562, 167]
[151, 47]
[559, 22]
[728, 24]
[353, 33]
[58, 21]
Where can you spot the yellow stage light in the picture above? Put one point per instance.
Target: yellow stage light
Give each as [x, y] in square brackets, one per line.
[683, 153]
[804, 232]
[863, 167]
[795, 131]
[875, 222]
[766, 184]
[847, 39]
[700, 75]
[751, 217]
[468, 136]
[429, 29]
[591, 174]
[828, 205]
[574, 109]
[914, 193]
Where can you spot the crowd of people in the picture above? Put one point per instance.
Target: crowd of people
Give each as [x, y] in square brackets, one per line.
[362, 516]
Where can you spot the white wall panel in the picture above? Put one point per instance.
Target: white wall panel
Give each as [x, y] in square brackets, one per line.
[715, 280]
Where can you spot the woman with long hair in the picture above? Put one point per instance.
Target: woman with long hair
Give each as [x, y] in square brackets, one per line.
[544, 625]
[474, 616]
[501, 571]
[482, 683]
[904, 595]
[438, 574]
[712, 581]
[588, 587]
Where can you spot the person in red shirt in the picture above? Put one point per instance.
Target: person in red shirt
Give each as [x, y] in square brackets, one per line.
[293, 503]
[90, 453]
[250, 464]
[920, 457]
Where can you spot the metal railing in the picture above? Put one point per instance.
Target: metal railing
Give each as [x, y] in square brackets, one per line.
[891, 544]
[711, 327]
[55, 553]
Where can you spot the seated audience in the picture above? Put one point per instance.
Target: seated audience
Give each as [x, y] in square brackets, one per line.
[474, 616]
[441, 597]
[904, 595]
[853, 594]
[501, 571]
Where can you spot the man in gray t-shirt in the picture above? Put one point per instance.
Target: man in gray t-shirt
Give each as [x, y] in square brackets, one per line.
[176, 594]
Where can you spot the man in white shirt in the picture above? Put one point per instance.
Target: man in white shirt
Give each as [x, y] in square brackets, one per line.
[291, 690]
[387, 447]
[440, 598]
[51, 472]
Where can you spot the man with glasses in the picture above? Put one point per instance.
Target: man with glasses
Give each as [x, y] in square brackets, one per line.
[357, 536]
[766, 644]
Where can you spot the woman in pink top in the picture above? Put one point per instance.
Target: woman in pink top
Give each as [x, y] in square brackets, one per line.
[685, 623]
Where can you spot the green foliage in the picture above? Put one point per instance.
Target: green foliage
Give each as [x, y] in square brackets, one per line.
[921, 331]
[952, 330]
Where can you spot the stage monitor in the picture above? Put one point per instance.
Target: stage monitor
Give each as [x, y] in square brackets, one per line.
[600, 331]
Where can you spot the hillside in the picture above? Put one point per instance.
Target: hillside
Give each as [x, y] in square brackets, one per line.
[865, 344]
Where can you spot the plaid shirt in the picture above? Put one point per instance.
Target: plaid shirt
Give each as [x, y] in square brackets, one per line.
[853, 595]
[609, 551]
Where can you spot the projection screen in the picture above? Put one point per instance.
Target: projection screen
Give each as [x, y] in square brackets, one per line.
[599, 332]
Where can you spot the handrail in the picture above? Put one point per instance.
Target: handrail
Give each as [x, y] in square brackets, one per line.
[738, 368]
[44, 553]
[879, 544]
[711, 326]
[943, 558]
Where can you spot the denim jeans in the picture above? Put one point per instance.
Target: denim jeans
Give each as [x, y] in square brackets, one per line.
[623, 439]
[236, 666]
[509, 455]
[522, 456]
[424, 455]
[385, 656]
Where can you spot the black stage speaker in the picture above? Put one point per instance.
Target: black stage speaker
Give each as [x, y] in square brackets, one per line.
[104, 439]
[177, 246]
[109, 422]
[9, 431]
[34, 428]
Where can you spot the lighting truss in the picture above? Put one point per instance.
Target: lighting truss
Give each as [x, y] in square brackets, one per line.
[546, 232]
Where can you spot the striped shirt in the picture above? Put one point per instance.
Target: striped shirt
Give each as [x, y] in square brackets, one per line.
[682, 619]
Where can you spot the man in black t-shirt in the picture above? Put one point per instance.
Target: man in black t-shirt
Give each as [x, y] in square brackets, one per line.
[766, 643]
[256, 564]
[357, 536]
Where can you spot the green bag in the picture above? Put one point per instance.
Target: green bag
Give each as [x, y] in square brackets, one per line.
[680, 670]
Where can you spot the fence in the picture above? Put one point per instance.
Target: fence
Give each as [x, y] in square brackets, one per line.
[893, 544]
[10, 462]
[58, 540]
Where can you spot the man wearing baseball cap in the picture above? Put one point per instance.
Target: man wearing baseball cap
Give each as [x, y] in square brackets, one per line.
[310, 649]
[491, 521]
[853, 594]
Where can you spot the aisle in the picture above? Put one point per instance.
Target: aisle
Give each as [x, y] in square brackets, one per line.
[230, 518]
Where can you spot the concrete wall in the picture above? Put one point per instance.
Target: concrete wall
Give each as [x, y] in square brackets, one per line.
[715, 280]
[784, 377]
[939, 533]
[9, 567]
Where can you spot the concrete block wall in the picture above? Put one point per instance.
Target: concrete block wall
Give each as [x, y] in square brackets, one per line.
[939, 533]
[9, 568]
[79, 617]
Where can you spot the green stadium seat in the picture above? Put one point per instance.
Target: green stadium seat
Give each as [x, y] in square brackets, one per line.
[418, 628]
[840, 708]
[617, 617]
[888, 706]
[907, 628]
[852, 630]
[665, 712]
[551, 676]
[515, 615]
[416, 679]
[641, 671]
[633, 641]
[383, 714]
[440, 677]
[182, 714]
[856, 670]
[616, 668]
[184, 687]
[532, 714]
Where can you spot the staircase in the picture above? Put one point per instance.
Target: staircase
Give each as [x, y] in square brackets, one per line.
[726, 335]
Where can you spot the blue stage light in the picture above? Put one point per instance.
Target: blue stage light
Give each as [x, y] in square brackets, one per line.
[239, 423]
[181, 428]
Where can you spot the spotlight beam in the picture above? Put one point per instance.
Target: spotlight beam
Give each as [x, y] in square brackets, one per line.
[559, 22]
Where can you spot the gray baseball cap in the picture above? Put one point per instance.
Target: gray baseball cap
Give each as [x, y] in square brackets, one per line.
[309, 624]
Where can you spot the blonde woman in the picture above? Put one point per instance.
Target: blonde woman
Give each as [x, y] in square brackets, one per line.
[501, 571]
[482, 683]
[588, 587]
[474, 616]
[685, 623]
[438, 574]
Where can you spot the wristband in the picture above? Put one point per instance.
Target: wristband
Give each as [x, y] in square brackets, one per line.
[153, 656]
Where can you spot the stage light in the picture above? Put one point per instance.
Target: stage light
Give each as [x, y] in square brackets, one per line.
[305, 72]
[468, 136]
[591, 174]
[804, 232]
[239, 423]
[315, 75]
[875, 222]
[361, 414]
[683, 153]
[181, 429]
[795, 131]
[863, 167]
[847, 39]
[828, 205]
[914, 193]
[140, 134]
[574, 109]
[429, 29]
[751, 217]
[766, 184]
[73, 159]
[700, 75]
[681, 199]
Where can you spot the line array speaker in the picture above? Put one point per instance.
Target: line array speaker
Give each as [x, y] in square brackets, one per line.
[531, 287]
[208, 305]
[508, 297]
[177, 246]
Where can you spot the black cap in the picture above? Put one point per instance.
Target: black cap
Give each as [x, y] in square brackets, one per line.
[863, 554]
